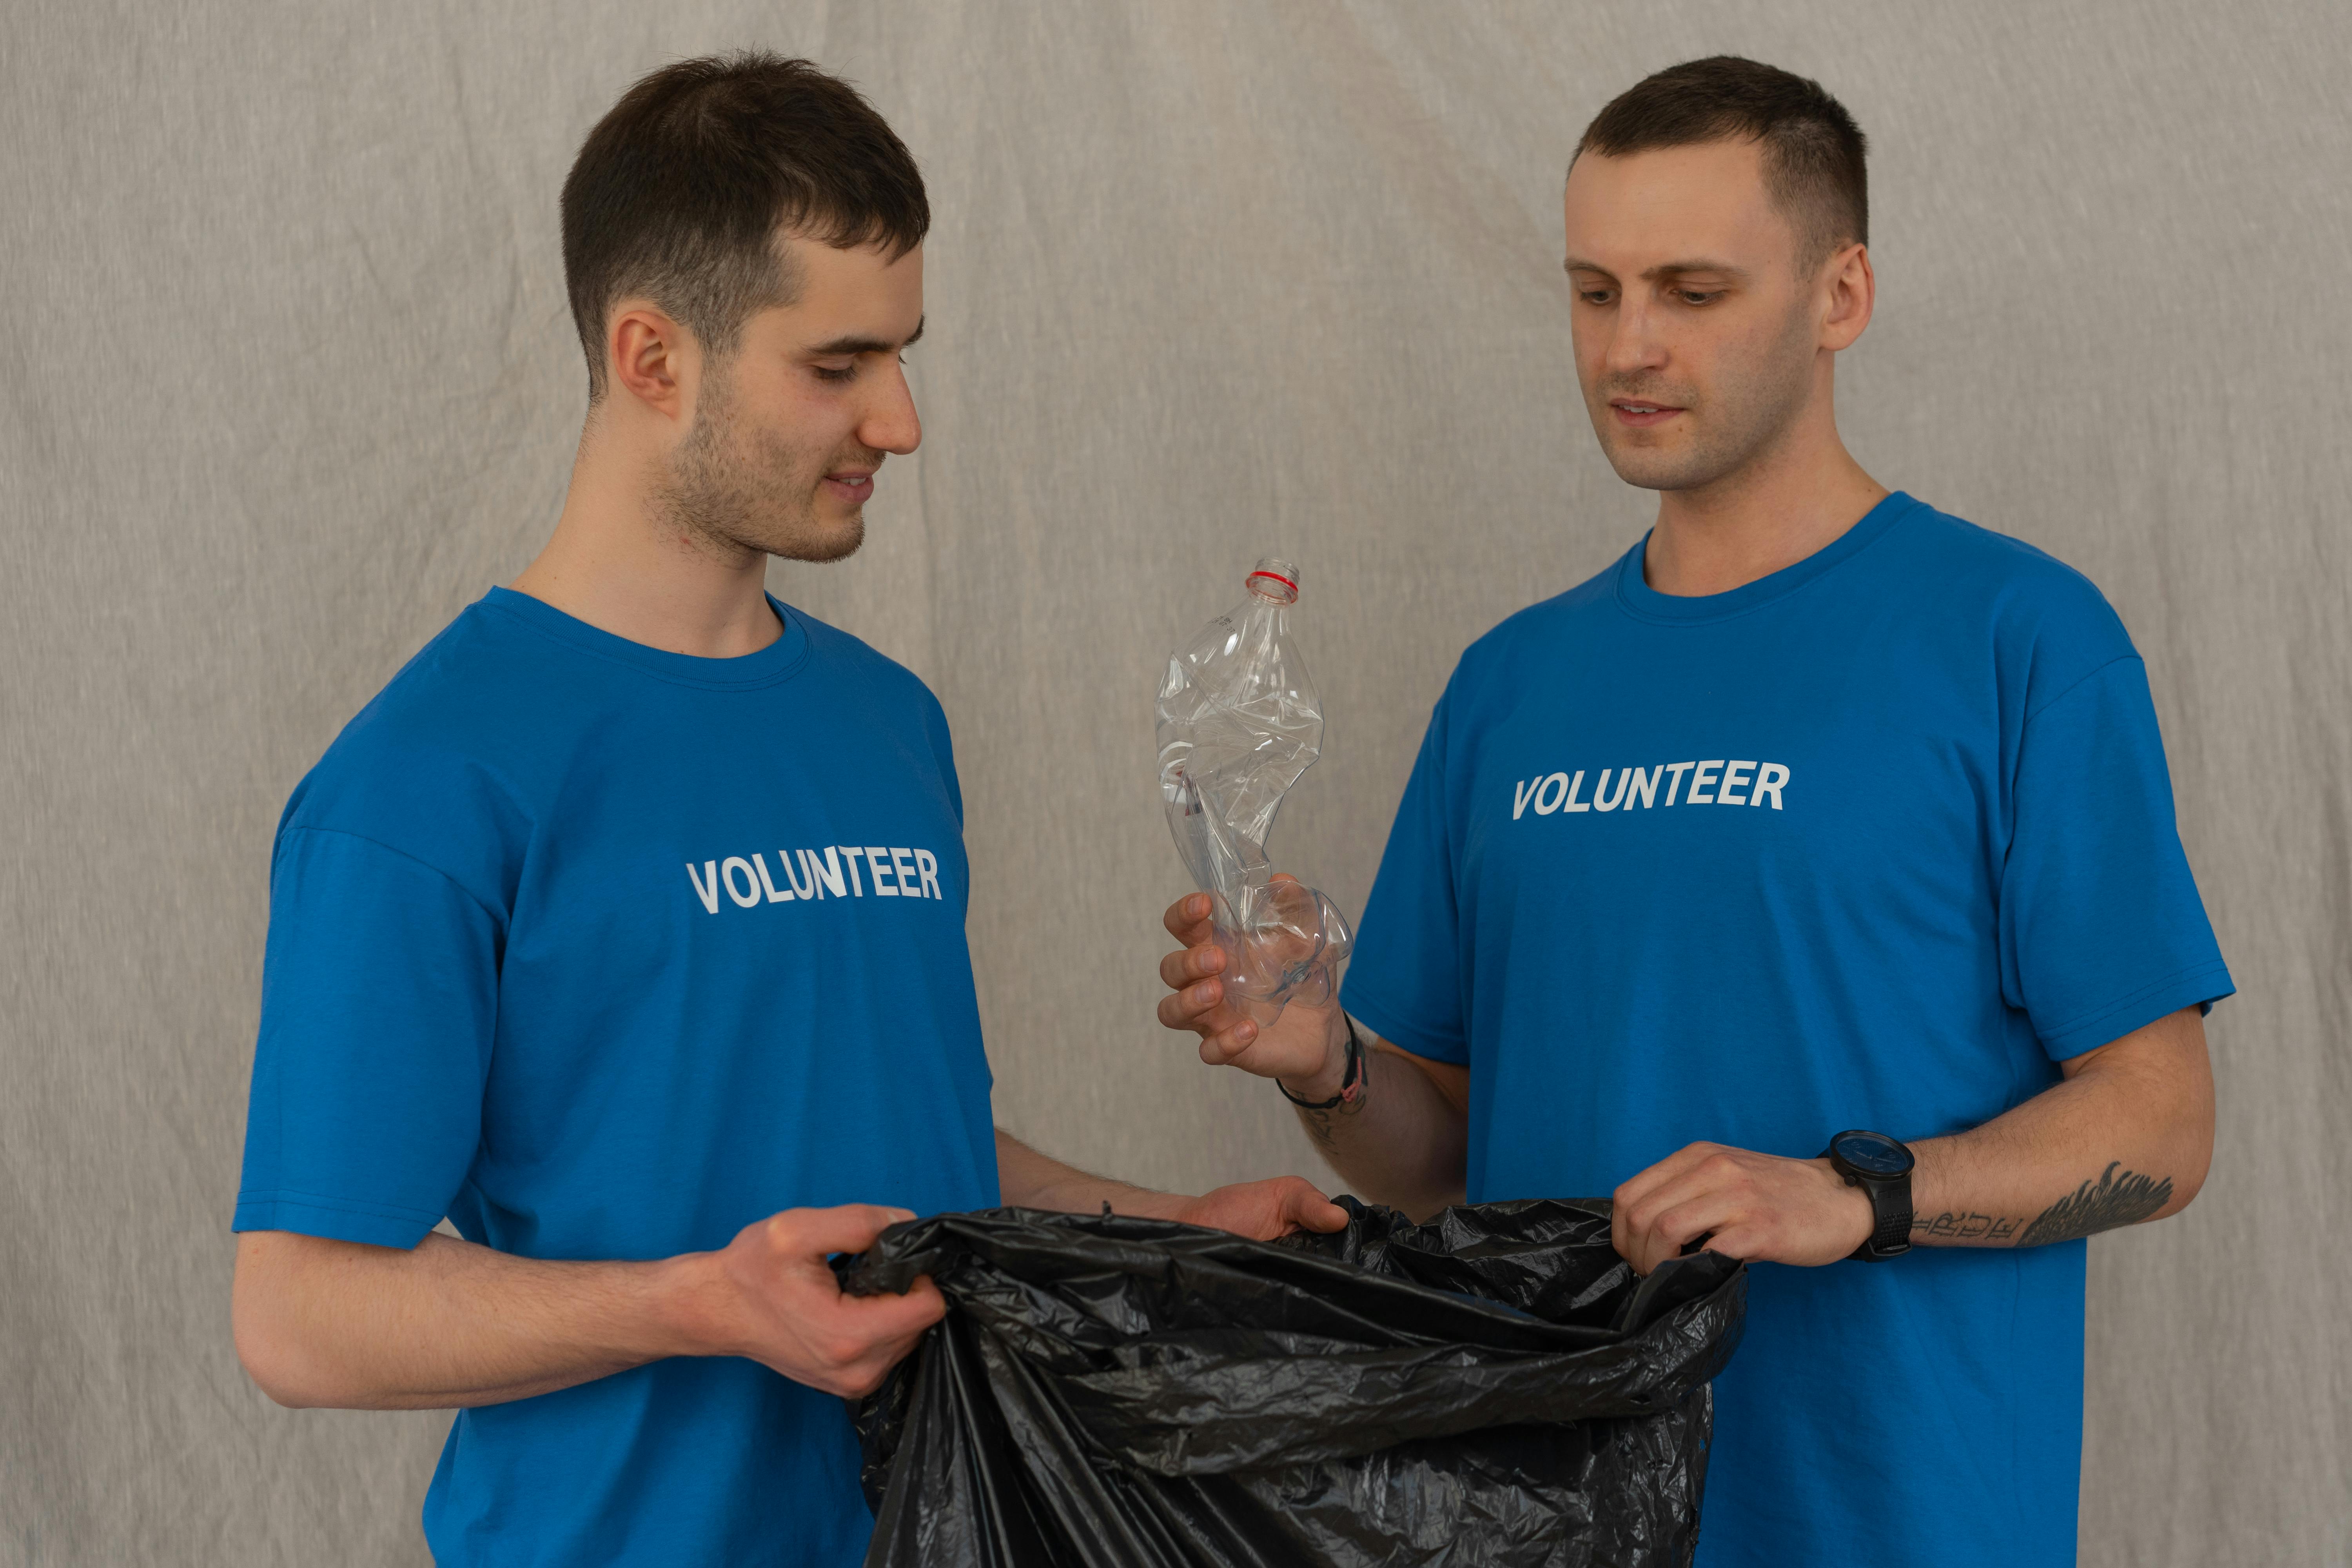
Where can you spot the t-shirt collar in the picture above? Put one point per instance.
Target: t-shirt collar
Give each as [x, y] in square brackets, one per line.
[777, 661]
[1641, 600]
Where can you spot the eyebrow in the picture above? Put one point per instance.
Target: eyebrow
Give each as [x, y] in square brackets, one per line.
[868, 345]
[1663, 270]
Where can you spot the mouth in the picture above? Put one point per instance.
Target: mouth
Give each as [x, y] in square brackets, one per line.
[1635, 414]
[850, 485]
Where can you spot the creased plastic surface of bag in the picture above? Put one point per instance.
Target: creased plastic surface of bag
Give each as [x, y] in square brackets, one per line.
[1493, 1388]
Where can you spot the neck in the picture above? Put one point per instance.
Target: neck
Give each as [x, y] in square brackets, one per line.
[619, 561]
[1792, 499]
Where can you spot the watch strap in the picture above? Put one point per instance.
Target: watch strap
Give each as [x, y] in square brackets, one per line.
[1890, 1208]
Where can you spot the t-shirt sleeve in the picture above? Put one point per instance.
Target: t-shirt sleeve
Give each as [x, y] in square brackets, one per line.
[2101, 929]
[1405, 979]
[379, 997]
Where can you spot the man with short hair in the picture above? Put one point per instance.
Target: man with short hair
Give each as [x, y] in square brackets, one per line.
[1808, 878]
[625, 928]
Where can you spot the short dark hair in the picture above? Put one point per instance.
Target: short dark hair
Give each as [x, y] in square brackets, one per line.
[1813, 152]
[682, 192]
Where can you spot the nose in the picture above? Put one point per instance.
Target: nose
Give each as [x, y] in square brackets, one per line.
[1635, 343]
[891, 424]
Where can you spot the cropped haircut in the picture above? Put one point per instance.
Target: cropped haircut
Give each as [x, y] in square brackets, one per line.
[1813, 152]
[683, 194]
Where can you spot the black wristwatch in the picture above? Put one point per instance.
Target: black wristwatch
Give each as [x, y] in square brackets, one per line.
[1881, 1167]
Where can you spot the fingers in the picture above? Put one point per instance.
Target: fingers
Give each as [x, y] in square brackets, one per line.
[892, 1316]
[814, 1232]
[875, 1335]
[1201, 1007]
[1187, 919]
[1677, 1227]
[1227, 1044]
[1178, 970]
[1638, 1193]
[1195, 1006]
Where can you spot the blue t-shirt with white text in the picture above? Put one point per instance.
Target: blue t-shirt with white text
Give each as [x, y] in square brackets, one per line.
[603, 951]
[1876, 841]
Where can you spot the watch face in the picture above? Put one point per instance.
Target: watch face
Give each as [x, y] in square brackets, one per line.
[1871, 1154]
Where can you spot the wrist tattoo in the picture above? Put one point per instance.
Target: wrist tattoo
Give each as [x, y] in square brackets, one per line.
[2110, 1204]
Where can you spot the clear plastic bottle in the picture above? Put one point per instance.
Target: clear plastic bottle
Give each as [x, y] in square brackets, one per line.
[1239, 722]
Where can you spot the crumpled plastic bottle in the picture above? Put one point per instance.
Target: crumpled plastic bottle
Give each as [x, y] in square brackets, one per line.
[1239, 722]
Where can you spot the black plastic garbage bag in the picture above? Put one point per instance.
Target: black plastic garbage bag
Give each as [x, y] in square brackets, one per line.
[1494, 1387]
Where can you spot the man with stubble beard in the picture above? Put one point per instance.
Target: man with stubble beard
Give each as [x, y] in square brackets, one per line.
[625, 928]
[1807, 879]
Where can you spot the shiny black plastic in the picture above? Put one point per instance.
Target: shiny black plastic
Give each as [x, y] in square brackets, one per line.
[1494, 1388]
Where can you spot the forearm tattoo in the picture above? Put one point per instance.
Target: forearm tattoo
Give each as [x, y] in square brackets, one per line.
[2108, 1203]
[2106, 1206]
[1967, 1226]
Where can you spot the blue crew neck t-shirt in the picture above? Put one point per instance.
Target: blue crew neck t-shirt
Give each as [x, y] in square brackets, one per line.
[1876, 841]
[606, 953]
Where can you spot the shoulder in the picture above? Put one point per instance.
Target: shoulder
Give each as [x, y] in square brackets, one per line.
[884, 693]
[430, 767]
[1539, 631]
[2045, 619]
[852, 660]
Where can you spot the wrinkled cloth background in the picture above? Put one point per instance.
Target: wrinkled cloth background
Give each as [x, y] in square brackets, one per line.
[288, 380]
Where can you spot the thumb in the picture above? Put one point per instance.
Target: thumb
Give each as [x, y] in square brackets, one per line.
[1311, 1209]
[1303, 1204]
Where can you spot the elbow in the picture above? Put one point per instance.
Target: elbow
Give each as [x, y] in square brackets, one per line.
[271, 1357]
[266, 1319]
[2194, 1169]
[2192, 1140]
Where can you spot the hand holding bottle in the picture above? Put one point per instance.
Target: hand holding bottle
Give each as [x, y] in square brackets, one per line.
[1304, 1046]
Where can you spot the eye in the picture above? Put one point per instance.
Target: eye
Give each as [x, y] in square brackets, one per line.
[828, 373]
[1698, 295]
[1596, 296]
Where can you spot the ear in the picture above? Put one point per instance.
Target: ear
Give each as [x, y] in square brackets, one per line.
[1852, 290]
[653, 359]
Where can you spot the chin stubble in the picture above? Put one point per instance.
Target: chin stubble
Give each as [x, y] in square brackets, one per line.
[734, 490]
[1753, 403]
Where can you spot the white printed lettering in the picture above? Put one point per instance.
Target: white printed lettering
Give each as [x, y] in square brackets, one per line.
[1677, 770]
[1545, 789]
[1735, 776]
[1645, 783]
[1520, 795]
[775, 895]
[750, 893]
[928, 865]
[850, 852]
[1571, 803]
[1704, 776]
[902, 863]
[794, 885]
[1768, 782]
[878, 868]
[828, 869]
[706, 886]
[1601, 790]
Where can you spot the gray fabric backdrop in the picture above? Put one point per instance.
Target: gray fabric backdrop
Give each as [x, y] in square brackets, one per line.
[288, 380]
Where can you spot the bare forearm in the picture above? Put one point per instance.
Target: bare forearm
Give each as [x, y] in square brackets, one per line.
[447, 1324]
[2125, 1138]
[1030, 1180]
[1402, 1140]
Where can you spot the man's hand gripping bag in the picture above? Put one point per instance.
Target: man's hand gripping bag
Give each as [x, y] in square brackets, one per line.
[1494, 1388]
